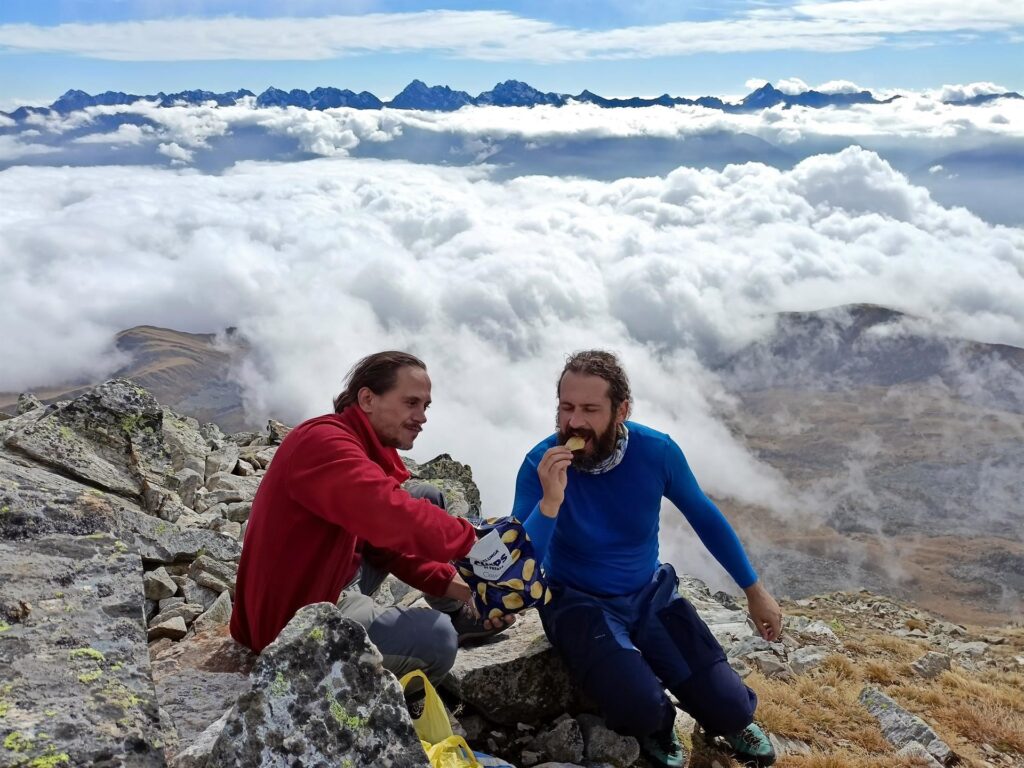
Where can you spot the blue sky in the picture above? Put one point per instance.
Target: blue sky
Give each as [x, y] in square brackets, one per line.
[614, 47]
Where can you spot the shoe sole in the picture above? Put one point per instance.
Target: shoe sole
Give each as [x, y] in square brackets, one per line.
[483, 634]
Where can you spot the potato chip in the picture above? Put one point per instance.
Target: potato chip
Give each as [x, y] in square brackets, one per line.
[512, 601]
[528, 568]
[575, 443]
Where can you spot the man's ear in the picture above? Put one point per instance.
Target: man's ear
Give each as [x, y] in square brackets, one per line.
[365, 398]
[622, 412]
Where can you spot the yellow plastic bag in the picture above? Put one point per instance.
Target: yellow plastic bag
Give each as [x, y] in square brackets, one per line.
[444, 749]
[453, 752]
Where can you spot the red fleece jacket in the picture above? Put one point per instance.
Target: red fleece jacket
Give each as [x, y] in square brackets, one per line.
[332, 496]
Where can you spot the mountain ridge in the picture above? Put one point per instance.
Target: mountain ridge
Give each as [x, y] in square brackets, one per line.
[442, 98]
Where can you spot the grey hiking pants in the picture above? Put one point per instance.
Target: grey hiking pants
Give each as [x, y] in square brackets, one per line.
[407, 638]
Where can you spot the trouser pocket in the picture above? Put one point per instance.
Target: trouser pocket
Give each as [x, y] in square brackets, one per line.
[697, 645]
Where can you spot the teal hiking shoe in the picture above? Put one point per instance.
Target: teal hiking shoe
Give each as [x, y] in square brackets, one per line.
[664, 749]
[751, 746]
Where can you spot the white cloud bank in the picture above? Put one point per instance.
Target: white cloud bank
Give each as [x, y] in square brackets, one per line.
[908, 121]
[492, 282]
[500, 35]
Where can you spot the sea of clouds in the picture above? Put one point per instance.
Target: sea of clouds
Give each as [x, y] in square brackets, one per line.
[491, 242]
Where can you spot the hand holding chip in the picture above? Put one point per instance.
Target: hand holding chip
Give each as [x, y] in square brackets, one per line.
[553, 473]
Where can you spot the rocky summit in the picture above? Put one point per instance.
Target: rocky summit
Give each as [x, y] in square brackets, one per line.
[121, 525]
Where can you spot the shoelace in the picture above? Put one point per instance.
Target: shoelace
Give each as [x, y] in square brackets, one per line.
[750, 738]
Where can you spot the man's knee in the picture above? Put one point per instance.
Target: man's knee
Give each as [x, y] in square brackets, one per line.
[416, 638]
[441, 643]
[428, 491]
[435, 643]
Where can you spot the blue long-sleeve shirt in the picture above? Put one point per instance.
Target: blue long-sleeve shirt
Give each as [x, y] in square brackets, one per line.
[605, 538]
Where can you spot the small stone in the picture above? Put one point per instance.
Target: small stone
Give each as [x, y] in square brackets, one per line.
[173, 629]
[770, 665]
[220, 461]
[196, 593]
[474, 726]
[217, 614]
[244, 468]
[277, 431]
[563, 742]
[169, 602]
[158, 584]
[227, 527]
[786, 746]
[976, 648]
[603, 745]
[931, 665]
[214, 574]
[809, 657]
[28, 402]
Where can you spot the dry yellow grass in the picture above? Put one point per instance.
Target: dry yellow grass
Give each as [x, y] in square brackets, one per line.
[822, 760]
[822, 709]
[967, 709]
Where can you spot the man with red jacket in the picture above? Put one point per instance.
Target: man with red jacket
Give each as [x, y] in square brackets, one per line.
[331, 520]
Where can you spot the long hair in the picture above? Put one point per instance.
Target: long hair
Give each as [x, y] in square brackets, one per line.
[378, 371]
[605, 365]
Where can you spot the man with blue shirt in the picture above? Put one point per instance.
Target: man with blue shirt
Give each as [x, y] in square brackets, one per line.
[616, 617]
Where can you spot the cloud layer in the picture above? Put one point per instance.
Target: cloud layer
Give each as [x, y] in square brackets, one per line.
[491, 280]
[500, 35]
[964, 155]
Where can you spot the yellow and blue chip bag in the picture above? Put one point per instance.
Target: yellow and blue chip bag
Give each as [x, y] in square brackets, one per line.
[502, 569]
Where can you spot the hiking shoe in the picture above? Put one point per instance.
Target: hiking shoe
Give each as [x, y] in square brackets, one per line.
[416, 705]
[469, 628]
[751, 746]
[664, 749]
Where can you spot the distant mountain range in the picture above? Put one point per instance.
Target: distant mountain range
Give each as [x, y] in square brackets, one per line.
[441, 98]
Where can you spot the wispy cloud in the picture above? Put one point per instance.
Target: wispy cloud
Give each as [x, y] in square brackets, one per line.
[501, 35]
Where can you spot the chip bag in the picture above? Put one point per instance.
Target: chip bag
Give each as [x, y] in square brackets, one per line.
[502, 569]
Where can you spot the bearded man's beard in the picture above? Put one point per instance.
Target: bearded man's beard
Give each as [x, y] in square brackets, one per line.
[604, 445]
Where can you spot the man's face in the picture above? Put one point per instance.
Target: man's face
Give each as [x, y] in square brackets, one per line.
[585, 410]
[398, 415]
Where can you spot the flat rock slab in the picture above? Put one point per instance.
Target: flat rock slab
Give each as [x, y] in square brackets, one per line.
[37, 502]
[902, 728]
[514, 677]
[76, 682]
[108, 437]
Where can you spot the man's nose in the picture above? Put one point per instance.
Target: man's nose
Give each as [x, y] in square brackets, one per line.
[420, 416]
[576, 421]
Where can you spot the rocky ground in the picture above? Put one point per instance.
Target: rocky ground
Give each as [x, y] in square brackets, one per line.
[120, 531]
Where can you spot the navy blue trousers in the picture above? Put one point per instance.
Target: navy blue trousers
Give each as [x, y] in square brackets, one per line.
[624, 651]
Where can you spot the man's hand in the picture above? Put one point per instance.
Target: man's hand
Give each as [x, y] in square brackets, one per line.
[553, 474]
[459, 590]
[765, 612]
